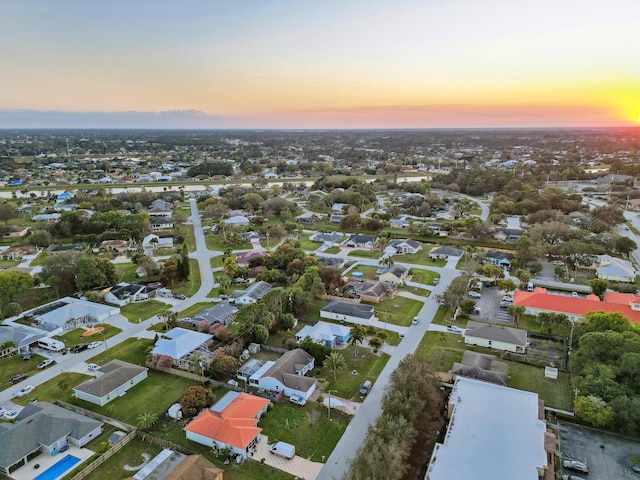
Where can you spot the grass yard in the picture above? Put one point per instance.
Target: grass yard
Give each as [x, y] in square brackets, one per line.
[369, 271]
[130, 454]
[332, 250]
[132, 350]
[143, 310]
[397, 311]
[532, 324]
[308, 245]
[216, 262]
[127, 273]
[443, 349]
[214, 243]
[34, 297]
[10, 366]
[308, 428]
[365, 253]
[443, 317]
[75, 337]
[58, 388]
[8, 264]
[193, 309]
[424, 277]
[367, 364]
[420, 258]
[189, 238]
[193, 285]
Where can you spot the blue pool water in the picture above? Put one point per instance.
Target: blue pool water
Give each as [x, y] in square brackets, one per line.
[57, 469]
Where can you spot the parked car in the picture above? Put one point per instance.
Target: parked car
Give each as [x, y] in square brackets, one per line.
[179, 296]
[27, 356]
[366, 386]
[10, 415]
[415, 320]
[575, 465]
[436, 281]
[473, 294]
[94, 344]
[571, 477]
[454, 329]
[18, 377]
[93, 366]
[79, 347]
[25, 391]
[239, 281]
[297, 400]
[283, 449]
[574, 294]
[45, 363]
[223, 298]
[504, 304]
[2, 411]
[507, 298]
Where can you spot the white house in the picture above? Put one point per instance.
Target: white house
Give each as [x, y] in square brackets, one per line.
[252, 294]
[180, 343]
[68, 313]
[348, 312]
[237, 221]
[329, 239]
[394, 274]
[112, 381]
[152, 242]
[161, 223]
[328, 334]
[232, 423]
[287, 374]
[497, 337]
[125, 293]
[43, 428]
[493, 432]
[406, 246]
[615, 269]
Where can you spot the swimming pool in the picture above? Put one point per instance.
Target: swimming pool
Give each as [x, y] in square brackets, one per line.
[57, 469]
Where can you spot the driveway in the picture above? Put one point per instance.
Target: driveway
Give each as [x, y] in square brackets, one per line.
[298, 466]
[605, 454]
[489, 305]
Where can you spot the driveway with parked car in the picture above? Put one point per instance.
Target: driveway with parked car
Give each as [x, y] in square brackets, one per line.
[604, 454]
[491, 307]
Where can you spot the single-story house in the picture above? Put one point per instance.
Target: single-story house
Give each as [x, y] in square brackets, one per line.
[125, 293]
[112, 381]
[394, 274]
[501, 259]
[510, 235]
[328, 334]
[446, 215]
[308, 217]
[615, 269]
[287, 374]
[361, 241]
[371, 290]
[16, 253]
[348, 312]
[160, 212]
[336, 218]
[444, 253]
[408, 245]
[42, 427]
[232, 423]
[251, 294]
[180, 343]
[120, 246]
[222, 313]
[628, 304]
[152, 242]
[69, 313]
[237, 221]
[160, 203]
[16, 231]
[481, 367]
[22, 337]
[161, 223]
[497, 337]
[399, 223]
[243, 258]
[329, 239]
[46, 217]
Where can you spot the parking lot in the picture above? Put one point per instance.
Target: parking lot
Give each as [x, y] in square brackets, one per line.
[606, 455]
[489, 305]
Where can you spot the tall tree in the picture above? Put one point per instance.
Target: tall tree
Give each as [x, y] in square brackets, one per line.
[357, 334]
[334, 362]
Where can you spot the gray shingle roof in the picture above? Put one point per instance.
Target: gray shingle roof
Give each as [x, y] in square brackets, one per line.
[256, 291]
[114, 374]
[219, 313]
[286, 369]
[496, 333]
[352, 309]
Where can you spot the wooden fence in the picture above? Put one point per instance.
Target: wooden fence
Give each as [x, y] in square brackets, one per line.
[105, 456]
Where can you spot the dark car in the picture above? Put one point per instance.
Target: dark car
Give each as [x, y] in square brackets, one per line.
[18, 377]
[179, 296]
[79, 347]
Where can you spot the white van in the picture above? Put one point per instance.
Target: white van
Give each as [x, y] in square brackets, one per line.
[530, 287]
[51, 344]
[283, 449]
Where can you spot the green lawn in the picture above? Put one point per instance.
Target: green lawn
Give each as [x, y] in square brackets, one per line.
[332, 250]
[308, 245]
[443, 349]
[189, 237]
[424, 277]
[365, 253]
[10, 366]
[8, 264]
[130, 454]
[397, 311]
[216, 262]
[367, 364]
[75, 337]
[143, 310]
[308, 428]
[127, 273]
[369, 271]
[532, 324]
[58, 388]
[132, 350]
[420, 258]
[193, 309]
[193, 285]
[214, 243]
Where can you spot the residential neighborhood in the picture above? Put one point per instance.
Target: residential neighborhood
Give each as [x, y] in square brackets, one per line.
[255, 313]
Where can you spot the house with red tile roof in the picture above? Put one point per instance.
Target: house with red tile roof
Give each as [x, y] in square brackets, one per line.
[540, 300]
[232, 423]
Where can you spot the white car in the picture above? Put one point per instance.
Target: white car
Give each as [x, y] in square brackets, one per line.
[297, 400]
[25, 391]
[2, 411]
[454, 329]
[415, 320]
[45, 363]
[473, 294]
[10, 415]
[574, 294]
[93, 366]
[94, 344]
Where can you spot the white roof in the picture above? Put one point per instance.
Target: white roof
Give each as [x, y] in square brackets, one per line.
[494, 432]
[180, 343]
[69, 308]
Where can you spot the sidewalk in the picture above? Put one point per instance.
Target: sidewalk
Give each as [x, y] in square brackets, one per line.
[298, 466]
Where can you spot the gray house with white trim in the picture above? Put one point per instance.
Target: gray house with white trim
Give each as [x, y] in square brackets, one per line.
[112, 381]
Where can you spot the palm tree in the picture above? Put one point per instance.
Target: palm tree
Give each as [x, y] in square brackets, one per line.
[385, 261]
[375, 343]
[147, 419]
[334, 361]
[357, 335]
[516, 311]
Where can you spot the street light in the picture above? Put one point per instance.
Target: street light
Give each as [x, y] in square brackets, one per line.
[104, 340]
[329, 404]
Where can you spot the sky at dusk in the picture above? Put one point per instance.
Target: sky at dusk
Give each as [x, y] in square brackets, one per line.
[319, 64]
